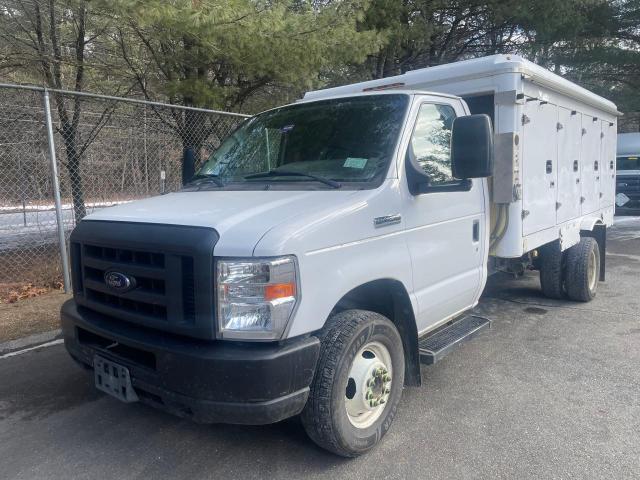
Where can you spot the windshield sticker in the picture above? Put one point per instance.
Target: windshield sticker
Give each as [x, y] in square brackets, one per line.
[352, 162]
[287, 128]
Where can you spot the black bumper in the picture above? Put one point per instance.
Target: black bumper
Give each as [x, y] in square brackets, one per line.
[207, 381]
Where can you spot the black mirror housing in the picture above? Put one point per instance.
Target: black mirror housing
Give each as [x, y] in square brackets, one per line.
[472, 147]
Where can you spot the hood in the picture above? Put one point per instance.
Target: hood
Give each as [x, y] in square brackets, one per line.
[241, 218]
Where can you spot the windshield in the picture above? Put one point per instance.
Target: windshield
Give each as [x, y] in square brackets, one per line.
[349, 140]
[628, 163]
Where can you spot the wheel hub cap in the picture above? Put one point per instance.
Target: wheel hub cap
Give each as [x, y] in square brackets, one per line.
[369, 385]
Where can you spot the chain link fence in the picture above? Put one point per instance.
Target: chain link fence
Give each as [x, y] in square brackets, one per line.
[107, 150]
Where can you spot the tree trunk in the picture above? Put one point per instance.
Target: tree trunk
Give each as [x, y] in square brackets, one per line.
[73, 168]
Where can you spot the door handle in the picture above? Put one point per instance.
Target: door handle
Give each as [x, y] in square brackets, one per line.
[476, 231]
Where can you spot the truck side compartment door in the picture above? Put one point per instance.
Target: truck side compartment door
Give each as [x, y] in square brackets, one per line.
[608, 169]
[590, 157]
[540, 166]
[569, 137]
[445, 226]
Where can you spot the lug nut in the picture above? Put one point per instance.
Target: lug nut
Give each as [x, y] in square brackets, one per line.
[386, 378]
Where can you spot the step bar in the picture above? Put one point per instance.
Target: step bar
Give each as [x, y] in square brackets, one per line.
[434, 347]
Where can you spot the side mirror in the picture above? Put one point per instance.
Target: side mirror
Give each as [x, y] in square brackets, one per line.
[472, 147]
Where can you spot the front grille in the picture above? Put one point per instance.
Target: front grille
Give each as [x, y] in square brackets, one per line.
[148, 310]
[125, 256]
[147, 300]
[169, 274]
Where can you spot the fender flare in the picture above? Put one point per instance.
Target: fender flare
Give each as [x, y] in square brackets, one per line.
[589, 223]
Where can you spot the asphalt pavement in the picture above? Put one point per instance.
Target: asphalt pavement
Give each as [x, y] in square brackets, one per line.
[552, 390]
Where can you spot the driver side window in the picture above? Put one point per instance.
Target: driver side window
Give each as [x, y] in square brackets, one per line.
[430, 145]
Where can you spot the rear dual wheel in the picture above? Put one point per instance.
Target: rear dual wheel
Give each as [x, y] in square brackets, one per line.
[357, 385]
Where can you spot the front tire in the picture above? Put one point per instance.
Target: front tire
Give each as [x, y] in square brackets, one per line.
[357, 385]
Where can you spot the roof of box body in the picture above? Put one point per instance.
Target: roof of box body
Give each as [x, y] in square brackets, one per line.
[628, 144]
[430, 78]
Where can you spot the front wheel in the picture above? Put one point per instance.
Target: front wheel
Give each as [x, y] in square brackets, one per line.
[357, 385]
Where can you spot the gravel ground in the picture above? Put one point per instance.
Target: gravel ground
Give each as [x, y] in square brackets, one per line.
[551, 391]
[31, 315]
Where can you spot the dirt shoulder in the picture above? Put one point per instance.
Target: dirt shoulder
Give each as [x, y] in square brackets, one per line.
[31, 315]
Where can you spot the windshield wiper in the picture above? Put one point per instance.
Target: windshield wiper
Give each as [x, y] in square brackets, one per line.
[292, 173]
[206, 176]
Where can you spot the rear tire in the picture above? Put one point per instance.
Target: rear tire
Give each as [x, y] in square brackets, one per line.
[357, 384]
[583, 270]
[551, 277]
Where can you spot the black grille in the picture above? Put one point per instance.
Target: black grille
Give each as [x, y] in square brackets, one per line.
[170, 274]
[148, 300]
[146, 309]
[188, 290]
[125, 256]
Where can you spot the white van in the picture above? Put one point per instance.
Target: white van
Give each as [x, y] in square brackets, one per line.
[628, 173]
[330, 247]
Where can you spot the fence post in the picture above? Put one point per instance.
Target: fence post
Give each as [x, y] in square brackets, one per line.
[56, 193]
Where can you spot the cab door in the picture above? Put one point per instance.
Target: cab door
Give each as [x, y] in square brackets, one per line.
[445, 226]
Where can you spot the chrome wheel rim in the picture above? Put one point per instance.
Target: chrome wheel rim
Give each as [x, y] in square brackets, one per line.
[591, 270]
[368, 385]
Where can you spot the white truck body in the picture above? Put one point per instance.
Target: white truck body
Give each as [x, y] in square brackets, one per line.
[396, 261]
[332, 233]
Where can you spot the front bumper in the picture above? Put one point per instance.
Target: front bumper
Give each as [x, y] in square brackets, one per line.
[207, 381]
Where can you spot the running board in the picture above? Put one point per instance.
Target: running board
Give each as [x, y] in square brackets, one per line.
[434, 347]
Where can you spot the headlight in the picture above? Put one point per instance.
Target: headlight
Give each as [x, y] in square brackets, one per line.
[255, 297]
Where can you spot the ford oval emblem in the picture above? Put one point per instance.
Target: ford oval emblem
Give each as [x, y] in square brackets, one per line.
[119, 281]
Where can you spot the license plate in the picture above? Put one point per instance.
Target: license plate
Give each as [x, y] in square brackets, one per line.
[113, 379]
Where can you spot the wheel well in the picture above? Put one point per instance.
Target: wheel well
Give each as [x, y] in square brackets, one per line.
[389, 298]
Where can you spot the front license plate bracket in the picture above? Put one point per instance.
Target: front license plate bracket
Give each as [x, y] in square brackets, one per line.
[113, 379]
